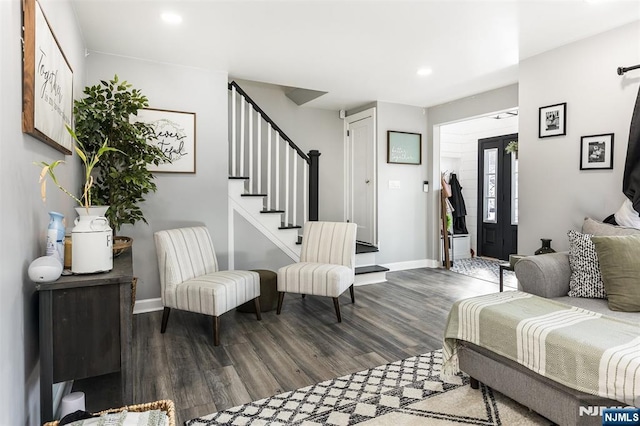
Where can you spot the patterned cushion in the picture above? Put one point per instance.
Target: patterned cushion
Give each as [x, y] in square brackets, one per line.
[183, 254]
[189, 274]
[215, 293]
[320, 279]
[586, 280]
[329, 242]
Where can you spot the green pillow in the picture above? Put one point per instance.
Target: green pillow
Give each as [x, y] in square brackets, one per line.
[619, 258]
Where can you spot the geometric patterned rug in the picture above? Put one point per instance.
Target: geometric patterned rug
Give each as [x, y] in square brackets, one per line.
[484, 269]
[407, 392]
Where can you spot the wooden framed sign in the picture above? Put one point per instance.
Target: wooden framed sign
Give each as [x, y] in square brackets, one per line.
[47, 82]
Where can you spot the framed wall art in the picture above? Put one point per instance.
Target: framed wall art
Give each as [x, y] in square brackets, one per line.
[596, 152]
[176, 137]
[404, 147]
[47, 82]
[552, 120]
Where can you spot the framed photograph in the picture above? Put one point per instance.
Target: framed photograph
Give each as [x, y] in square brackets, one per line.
[47, 82]
[552, 121]
[176, 132]
[596, 152]
[404, 147]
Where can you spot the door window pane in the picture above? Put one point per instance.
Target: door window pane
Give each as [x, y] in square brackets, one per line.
[490, 186]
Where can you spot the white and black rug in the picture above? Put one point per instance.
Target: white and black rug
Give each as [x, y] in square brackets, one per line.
[484, 269]
[407, 392]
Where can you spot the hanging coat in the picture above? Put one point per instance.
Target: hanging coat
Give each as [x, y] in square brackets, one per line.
[631, 177]
[460, 210]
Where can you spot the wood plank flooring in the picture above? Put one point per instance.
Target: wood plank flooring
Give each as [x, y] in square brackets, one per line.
[304, 345]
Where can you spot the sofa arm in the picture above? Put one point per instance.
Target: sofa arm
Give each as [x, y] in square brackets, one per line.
[546, 275]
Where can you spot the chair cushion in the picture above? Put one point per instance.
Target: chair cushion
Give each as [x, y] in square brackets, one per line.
[320, 279]
[214, 293]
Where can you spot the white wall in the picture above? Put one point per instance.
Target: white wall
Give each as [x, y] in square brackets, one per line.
[402, 212]
[23, 216]
[555, 195]
[501, 99]
[181, 199]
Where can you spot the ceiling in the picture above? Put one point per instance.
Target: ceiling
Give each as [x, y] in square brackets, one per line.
[356, 50]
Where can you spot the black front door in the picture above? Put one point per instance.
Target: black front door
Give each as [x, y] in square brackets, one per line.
[497, 194]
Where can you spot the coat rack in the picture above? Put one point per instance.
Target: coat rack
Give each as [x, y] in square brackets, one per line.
[445, 234]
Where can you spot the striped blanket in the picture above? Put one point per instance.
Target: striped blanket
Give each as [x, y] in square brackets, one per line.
[580, 349]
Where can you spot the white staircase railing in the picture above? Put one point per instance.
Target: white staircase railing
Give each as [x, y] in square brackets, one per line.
[280, 164]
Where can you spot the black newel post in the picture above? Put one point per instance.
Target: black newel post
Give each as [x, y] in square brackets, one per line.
[314, 160]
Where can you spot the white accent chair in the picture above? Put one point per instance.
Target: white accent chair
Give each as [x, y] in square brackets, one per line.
[190, 279]
[327, 263]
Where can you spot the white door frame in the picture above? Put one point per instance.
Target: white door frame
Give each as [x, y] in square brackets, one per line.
[348, 168]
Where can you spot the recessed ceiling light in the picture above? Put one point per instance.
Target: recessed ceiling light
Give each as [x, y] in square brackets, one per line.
[424, 71]
[171, 18]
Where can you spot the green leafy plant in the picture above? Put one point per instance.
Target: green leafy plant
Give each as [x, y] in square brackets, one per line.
[88, 160]
[122, 180]
[512, 147]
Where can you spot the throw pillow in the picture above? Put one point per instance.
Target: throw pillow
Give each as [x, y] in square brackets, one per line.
[620, 268]
[590, 226]
[586, 280]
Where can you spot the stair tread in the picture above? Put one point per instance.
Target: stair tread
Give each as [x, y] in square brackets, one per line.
[239, 177]
[365, 248]
[253, 195]
[289, 226]
[370, 269]
[271, 211]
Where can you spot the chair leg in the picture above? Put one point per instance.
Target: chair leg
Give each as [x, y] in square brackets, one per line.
[165, 319]
[256, 302]
[336, 305]
[280, 299]
[303, 295]
[216, 331]
[353, 297]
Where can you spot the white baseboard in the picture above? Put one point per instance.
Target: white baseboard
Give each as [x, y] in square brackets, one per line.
[147, 305]
[411, 264]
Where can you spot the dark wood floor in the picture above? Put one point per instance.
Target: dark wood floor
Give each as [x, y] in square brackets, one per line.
[390, 321]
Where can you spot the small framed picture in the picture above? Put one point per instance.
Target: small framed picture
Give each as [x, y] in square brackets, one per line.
[596, 152]
[404, 147]
[552, 120]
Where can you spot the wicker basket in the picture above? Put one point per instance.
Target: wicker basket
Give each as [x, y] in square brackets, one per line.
[165, 405]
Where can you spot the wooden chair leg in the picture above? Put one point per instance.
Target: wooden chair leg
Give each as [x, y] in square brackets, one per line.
[474, 383]
[280, 299]
[216, 331]
[336, 305]
[165, 319]
[353, 297]
[256, 302]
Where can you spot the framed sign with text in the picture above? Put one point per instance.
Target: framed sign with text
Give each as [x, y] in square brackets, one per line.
[176, 137]
[47, 82]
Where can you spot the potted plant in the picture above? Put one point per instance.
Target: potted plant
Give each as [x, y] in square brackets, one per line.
[122, 180]
[91, 237]
[512, 148]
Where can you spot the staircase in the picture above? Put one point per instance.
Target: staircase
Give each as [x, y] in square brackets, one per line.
[274, 185]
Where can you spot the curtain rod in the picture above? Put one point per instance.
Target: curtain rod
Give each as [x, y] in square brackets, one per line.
[622, 70]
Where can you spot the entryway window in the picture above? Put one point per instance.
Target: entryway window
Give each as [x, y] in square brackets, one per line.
[490, 185]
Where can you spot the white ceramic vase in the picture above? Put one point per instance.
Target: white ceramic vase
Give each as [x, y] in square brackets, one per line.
[92, 241]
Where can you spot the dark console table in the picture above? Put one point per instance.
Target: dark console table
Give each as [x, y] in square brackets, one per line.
[86, 329]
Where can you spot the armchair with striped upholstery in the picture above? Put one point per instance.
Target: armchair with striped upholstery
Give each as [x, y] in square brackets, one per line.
[327, 263]
[190, 279]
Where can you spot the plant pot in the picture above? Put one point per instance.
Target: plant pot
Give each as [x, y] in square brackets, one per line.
[92, 243]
